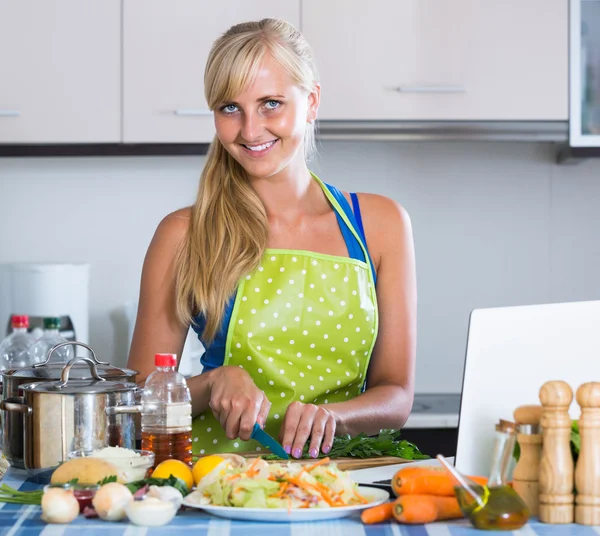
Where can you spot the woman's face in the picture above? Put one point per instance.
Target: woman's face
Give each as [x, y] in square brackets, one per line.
[263, 127]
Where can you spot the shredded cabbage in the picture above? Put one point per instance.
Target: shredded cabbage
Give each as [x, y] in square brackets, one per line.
[258, 484]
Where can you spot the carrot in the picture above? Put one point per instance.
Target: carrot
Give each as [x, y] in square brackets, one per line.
[252, 469]
[427, 481]
[418, 509]
[378, 514]
[360, 497]
[316, 464]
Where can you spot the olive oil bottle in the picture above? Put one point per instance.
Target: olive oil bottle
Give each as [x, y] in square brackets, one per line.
[495, 506]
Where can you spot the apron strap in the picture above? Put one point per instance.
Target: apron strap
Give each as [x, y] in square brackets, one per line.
[354, 249]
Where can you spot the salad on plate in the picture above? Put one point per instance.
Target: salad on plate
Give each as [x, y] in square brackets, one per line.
[258, 484]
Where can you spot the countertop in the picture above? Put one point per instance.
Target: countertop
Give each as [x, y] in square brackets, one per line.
[17, 520]
[434, 411]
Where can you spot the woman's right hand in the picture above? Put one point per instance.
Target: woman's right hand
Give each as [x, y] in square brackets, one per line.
[236, 401]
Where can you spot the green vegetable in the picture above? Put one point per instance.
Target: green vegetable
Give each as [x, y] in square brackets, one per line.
[575, 440]
[387, 443]
[11, 495]
[107, 480]
[173, 481]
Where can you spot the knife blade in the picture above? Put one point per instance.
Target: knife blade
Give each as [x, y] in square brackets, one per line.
[267, 441]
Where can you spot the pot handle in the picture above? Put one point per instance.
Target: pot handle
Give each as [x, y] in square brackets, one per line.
[14, 407]
[118, 410]
[64, 376]
[71, 343]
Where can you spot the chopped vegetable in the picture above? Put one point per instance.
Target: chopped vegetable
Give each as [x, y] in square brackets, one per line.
[378, 514]
[427, 481]
[262, 485]
[387, 443]
[418, 509]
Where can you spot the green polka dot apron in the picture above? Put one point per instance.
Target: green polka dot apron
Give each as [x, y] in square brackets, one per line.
[303, 325]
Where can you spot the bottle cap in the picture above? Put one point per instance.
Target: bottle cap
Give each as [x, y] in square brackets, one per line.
[165, 360]
[20, 321]
[52, 322]
[507, 427]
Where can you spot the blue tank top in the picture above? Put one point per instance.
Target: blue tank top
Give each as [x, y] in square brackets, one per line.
[214, 354]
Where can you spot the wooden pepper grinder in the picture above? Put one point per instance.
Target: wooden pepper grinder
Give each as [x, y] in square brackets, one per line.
[526, 474]
[556, 467]
[587, 473]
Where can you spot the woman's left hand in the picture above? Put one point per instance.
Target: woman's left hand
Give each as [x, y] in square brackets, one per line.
[303, 421]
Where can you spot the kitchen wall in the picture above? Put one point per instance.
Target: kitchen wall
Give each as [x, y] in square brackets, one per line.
[495, 224]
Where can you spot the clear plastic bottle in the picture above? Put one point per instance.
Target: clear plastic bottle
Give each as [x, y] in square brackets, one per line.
[15, 349]
[50, 338]
[167, 412]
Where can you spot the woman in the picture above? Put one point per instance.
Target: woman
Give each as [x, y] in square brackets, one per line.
[272, 269]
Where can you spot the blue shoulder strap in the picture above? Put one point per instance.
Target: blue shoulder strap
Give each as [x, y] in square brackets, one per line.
[354, 249]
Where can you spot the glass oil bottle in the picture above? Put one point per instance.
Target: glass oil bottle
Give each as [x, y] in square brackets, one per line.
[499, 507]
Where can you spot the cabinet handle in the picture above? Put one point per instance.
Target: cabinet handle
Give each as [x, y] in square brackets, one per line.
[430, 89]
[192, 112]
[10, 113]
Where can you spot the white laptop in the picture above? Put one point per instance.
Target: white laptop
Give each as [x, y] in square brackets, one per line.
[511, 353]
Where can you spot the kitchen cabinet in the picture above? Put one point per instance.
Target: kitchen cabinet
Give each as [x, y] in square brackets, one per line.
[585, 74]
[465, 60]
[166, 43]
[60, 71]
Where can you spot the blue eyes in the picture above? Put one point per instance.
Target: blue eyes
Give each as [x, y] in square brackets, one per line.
[272, 104]
[229, 109]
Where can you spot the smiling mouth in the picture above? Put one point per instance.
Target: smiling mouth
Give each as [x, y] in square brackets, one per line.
[259, 148]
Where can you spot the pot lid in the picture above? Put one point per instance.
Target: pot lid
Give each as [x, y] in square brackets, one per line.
[53, 371]
[74, 387]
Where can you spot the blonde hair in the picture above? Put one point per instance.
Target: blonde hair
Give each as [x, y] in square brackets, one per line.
[228, 228]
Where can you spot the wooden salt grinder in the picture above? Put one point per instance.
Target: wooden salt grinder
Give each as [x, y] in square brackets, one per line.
[526, 474]
[587, 473]
[556, 467]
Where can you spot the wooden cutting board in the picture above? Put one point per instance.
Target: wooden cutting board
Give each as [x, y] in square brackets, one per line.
[346, 464]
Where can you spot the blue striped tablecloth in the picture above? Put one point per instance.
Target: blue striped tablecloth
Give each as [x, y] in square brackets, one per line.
[25, 520]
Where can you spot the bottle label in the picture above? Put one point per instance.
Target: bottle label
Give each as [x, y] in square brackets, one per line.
[179, 415]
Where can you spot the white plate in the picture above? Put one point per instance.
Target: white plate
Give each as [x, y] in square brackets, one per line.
[374, 495]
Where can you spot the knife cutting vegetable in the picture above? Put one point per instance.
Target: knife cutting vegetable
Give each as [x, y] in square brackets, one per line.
[387, 443]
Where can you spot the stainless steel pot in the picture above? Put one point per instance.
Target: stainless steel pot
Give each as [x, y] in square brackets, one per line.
[71, 414]
[12, 422]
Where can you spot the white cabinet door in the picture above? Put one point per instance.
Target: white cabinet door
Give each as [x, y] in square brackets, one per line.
[440, 60]
[60, 71]
[166, 44]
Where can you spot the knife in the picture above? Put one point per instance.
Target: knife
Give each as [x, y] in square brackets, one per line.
[267, 441]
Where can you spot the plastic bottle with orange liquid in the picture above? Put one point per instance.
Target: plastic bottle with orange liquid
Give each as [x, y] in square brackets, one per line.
[167, 412]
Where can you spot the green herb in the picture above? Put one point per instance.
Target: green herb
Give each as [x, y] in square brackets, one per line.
[11, 495]
[107, 480]
[387, 443]
[575, 440]
[177, 483]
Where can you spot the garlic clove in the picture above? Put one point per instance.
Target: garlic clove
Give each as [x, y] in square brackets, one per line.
[166, 493]
[59, 506]
[110, 501]
[150, 512]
